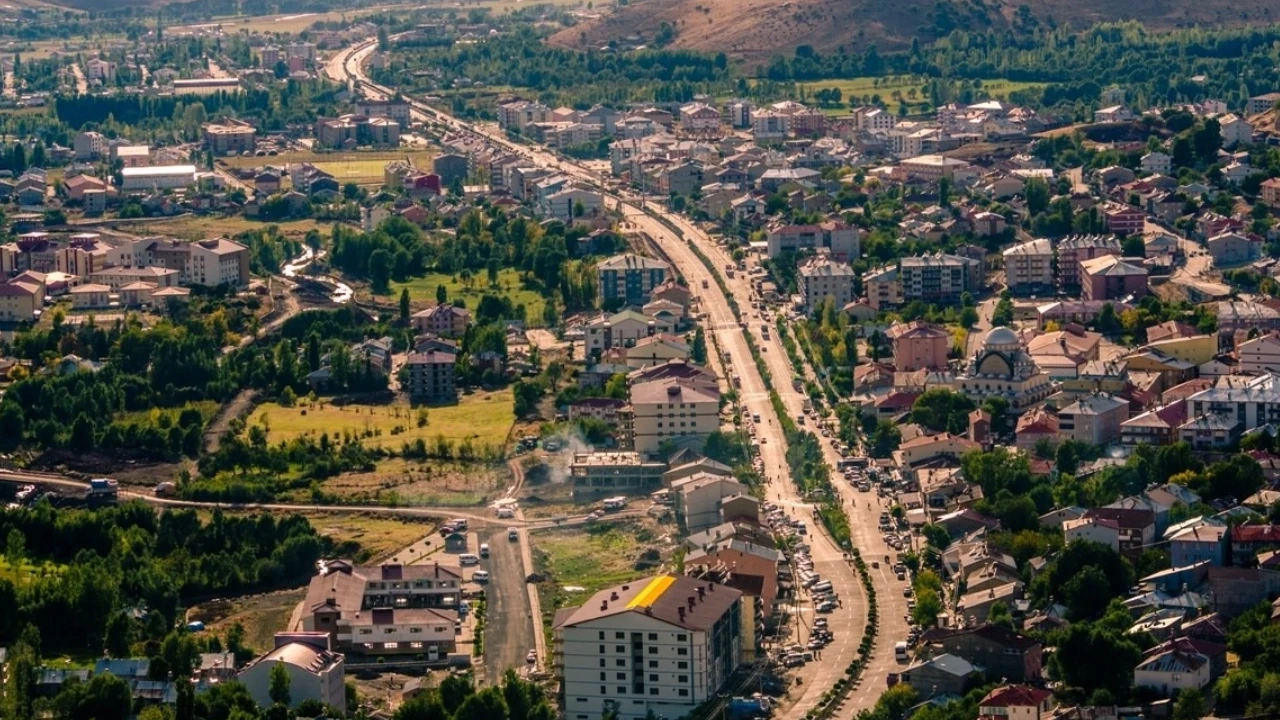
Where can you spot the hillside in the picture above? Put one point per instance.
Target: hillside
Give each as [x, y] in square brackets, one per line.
[754, 30]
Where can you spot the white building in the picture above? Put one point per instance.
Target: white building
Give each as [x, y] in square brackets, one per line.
[673, 410]
[1247, 405]
[1171, 670]
[315, 671]
[159, 177]
[1157, 163]
[1235, 130]
[1029, 266]
[664, 645]
[1260, 355]
[563, 205]
[820, 277]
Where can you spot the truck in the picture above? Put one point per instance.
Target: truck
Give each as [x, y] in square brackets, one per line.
[705, 284]
[614, 504]
[104, 490]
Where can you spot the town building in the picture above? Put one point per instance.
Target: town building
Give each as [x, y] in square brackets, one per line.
[612, 473]
[1093, 419]
[316, 671]
[1029, 267]
[229, 137]
[629, 279]
[919, 346]
[672, 411]
[822, 279]
[1076, 249]
[158, 177]
[938, 278]
[1113, 278]
[1001, 368]
[1015, 702]
[443, 320]
[668, 643]
[349, 131]
[385, 609]
[431, 377]
[842, 240]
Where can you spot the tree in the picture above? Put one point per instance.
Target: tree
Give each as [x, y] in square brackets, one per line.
[942, 410]
[404, 305]
[698, 351]
[278, 683]
[1086, 594]
[928, 607]
[119, 636]
[1037, 194]
[380, 271]
[442, 294]
[1092, 657]
[1190, 705]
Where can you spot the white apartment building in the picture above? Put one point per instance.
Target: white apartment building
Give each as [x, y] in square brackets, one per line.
[1029, 267]
[212, 262]
[821, 277]
[663, 645]
[1260, 355]
[672, 410]
[1248, 404]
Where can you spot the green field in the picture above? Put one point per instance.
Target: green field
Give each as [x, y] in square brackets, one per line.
[422, 291]
[886, 88]
[483, 418]
[25, 572]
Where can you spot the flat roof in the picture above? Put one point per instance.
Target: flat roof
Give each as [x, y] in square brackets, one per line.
[159, 170]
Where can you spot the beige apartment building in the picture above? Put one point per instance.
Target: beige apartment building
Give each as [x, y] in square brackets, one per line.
[672, 410]
[1028, 267]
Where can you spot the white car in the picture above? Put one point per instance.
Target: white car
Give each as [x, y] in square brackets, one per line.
[480, 576]
[531, 657]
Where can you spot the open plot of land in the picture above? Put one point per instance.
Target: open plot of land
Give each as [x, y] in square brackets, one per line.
[606, 554]
[422, 291]
[430, 482]
[261, 616]
[851, 88]
[361, 168]
[483, 419]
[378, 537]
[198, 227]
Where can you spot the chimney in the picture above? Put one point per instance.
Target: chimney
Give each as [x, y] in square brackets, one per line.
[681, 611]
[702, 592]
[604, 604]
[691, 601]
[437, 569]
[613, 596]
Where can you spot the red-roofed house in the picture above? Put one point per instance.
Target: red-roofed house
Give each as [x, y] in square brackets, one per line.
[1014, 702]
[1137, 527]
[1248, 540]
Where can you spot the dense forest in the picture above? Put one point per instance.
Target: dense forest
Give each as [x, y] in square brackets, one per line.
[91, 566]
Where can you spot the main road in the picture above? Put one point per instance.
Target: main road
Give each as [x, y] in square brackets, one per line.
[848, 621]
[863, 510]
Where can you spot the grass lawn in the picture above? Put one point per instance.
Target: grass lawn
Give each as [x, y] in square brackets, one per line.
[203, 226]
[484, 418]
[604, 555]
[262, 616]
[24, 573]
[858, 87]
[362, 168]
[422, 291]
[207, 408]
[378, 537]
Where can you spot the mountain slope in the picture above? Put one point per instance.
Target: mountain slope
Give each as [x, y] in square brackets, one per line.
[754, 30]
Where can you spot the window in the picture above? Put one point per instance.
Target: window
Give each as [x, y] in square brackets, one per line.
[684, 692]
[653, 650]
[622, 676]
[682, 678]
[619, 636]
[415, 630]
[653, 663]
[682, 651]
[619, 648]
[604, 690]
[683, 664]
[653, 677]
[681, 637]
[601, 649]
[653, 636]
[601, 662]
[601, 634]
[622, 689]
[602, 677]
[620, 662]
